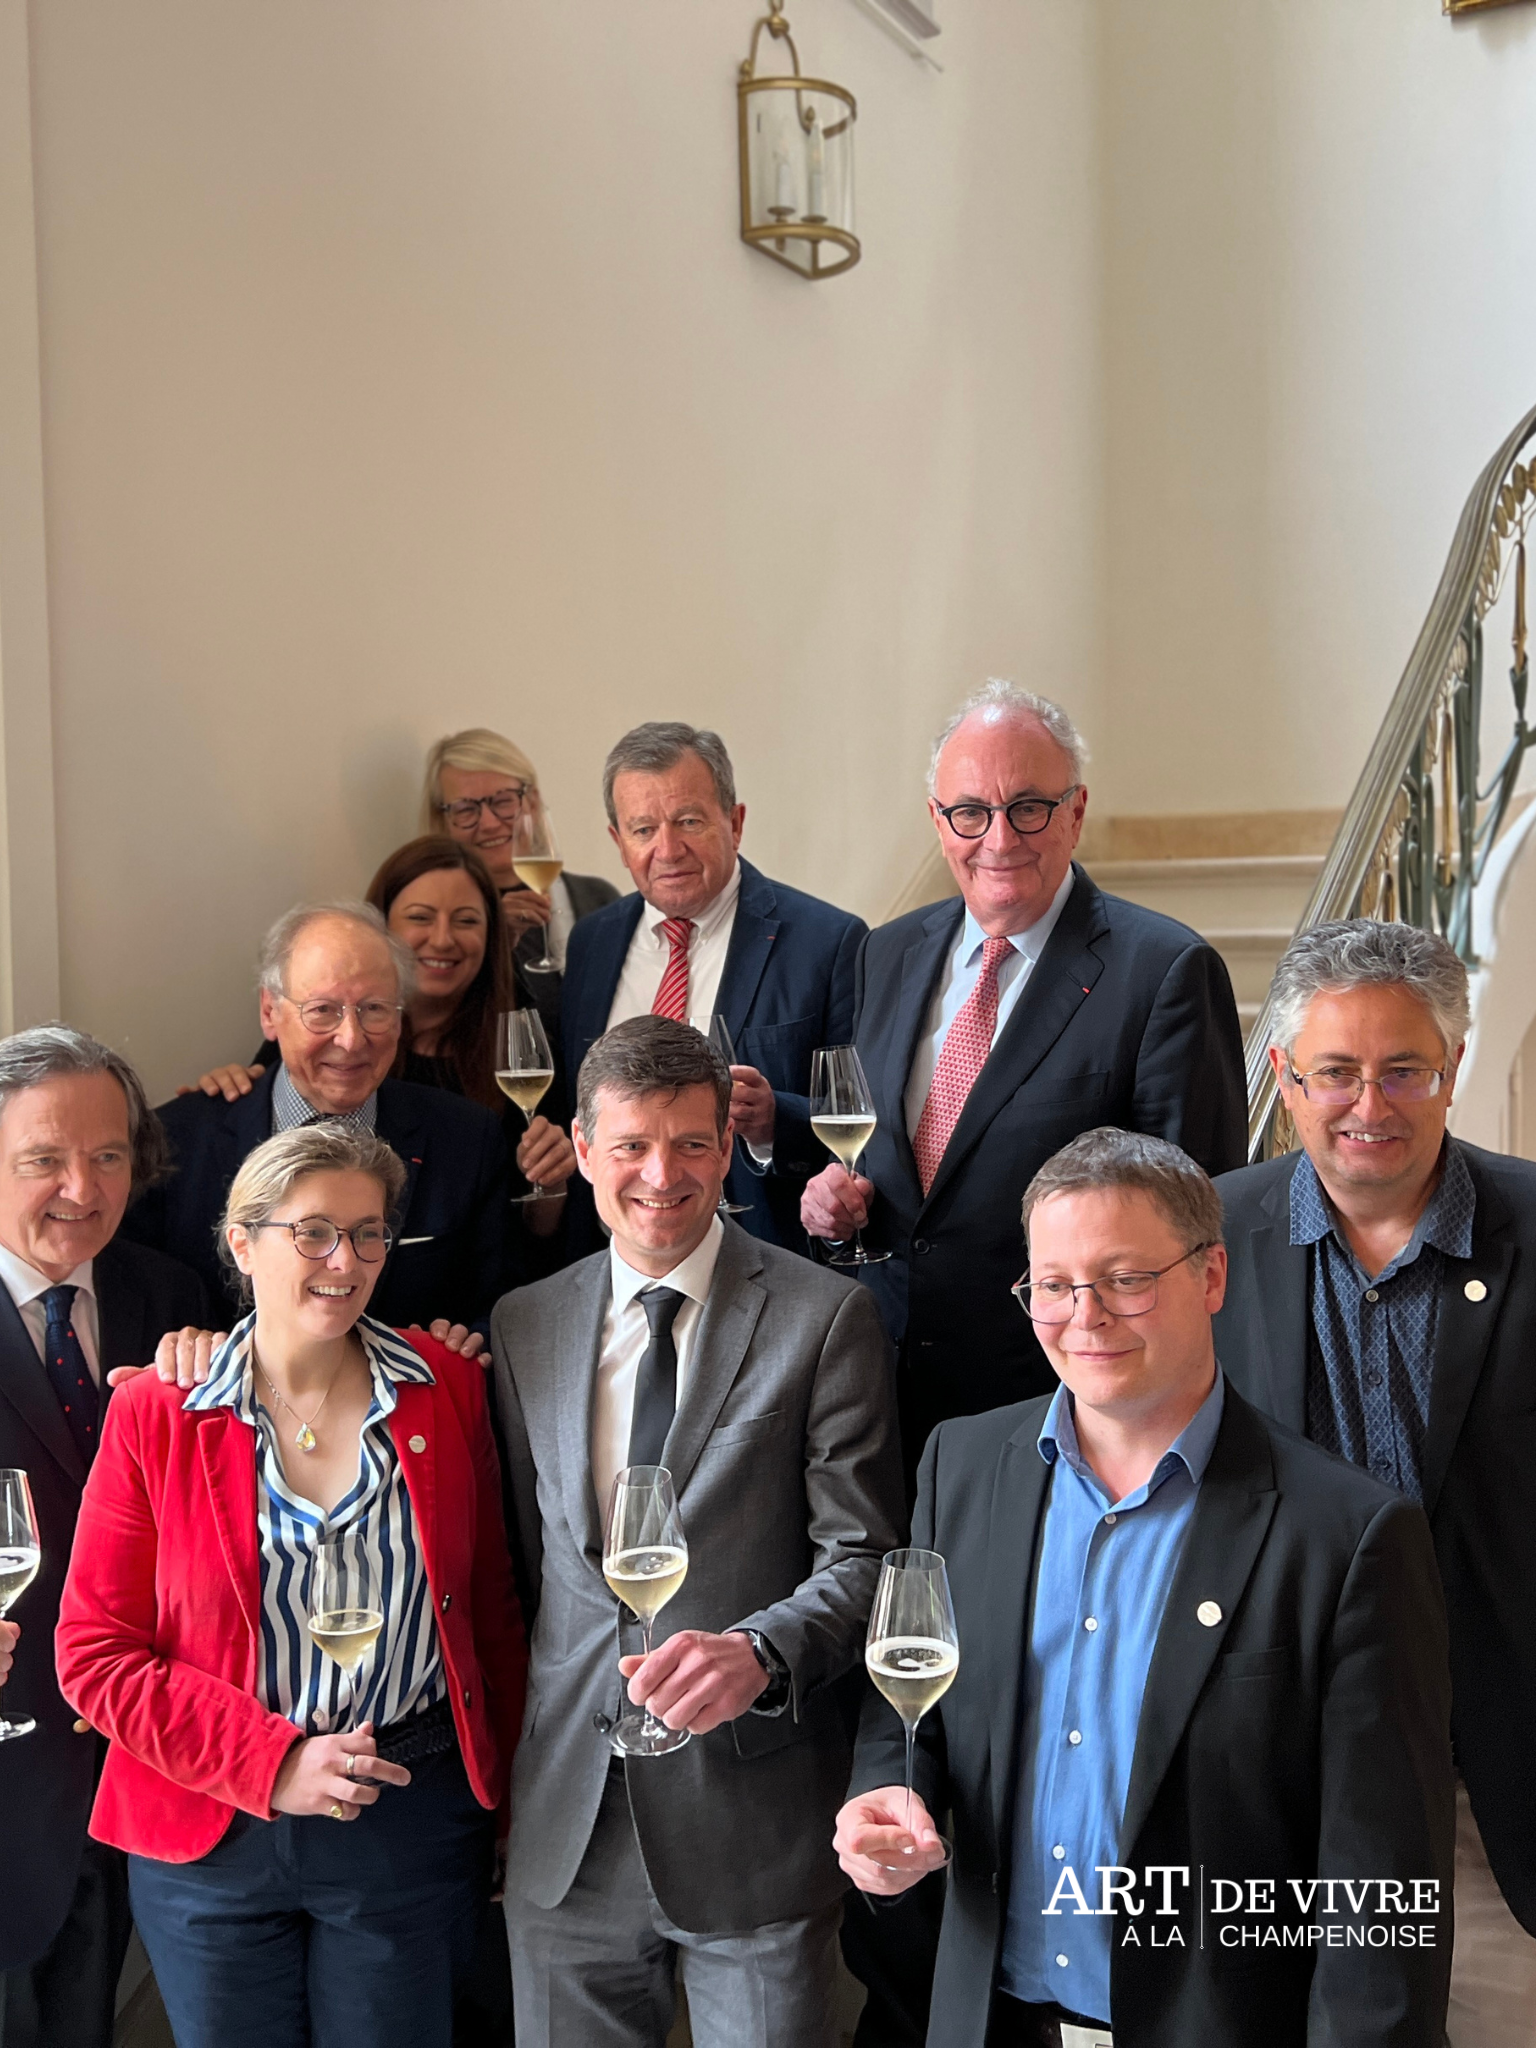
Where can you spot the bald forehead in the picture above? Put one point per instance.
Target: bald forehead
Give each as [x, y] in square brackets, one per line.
[1003, 745]
[333, 946]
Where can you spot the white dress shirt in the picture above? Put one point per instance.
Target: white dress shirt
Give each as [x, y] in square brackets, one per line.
[646, 961]
[26, 1287]
[961, 973]
[626, 1336]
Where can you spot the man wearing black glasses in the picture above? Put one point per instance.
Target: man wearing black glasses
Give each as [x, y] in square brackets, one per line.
[1382, 1301]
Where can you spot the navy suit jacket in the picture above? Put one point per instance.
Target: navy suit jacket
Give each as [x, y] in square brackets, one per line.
[453, 1251]
[1128, 1019]
[48, 1778]
[787, 988]
[1479, 1460]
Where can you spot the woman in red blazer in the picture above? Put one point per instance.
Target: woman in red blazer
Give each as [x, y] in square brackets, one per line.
[310, 1847]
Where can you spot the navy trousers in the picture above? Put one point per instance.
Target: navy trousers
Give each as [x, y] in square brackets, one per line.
[315, 1933]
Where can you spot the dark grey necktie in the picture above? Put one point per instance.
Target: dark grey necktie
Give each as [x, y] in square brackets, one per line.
[656, 1381]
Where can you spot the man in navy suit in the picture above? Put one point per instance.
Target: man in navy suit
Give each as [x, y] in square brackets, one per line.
[333, 987]
[76, 1136]
[707, 935]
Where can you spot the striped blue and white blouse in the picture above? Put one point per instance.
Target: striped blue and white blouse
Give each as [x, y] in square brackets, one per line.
[403, 1673]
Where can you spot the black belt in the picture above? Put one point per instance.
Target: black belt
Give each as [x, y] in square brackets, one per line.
[424, 1735]
[1016, 2025]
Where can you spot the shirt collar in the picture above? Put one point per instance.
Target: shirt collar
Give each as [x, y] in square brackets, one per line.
[709, 919]
[231, 1377]
[1192, 1446]
[1446, 1222]
[23, 1282]
[291, 1111]
[1028, 944]
[691, 1277]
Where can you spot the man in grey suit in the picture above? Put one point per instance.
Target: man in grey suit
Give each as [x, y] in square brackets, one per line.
[765, 1385]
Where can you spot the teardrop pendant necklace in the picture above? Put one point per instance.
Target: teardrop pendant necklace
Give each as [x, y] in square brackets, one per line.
[304, 1436]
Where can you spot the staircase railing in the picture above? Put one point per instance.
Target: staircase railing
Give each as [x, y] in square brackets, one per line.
[1416, 835]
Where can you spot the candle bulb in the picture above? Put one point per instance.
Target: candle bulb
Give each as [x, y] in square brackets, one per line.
[783, 194]
[816, 208]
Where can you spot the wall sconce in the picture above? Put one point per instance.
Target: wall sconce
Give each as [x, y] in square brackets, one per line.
[796, 163]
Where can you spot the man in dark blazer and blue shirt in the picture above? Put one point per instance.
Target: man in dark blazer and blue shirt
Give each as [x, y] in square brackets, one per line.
[333, 985]
[76, 1302]
[1196, 1758]
[1382, 1300]
[706, 934]
[995, 1027]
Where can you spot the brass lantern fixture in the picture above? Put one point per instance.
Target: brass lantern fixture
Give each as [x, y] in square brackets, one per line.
[796, 162]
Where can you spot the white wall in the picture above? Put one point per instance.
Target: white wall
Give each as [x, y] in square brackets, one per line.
[402, 370]
[1320, 304]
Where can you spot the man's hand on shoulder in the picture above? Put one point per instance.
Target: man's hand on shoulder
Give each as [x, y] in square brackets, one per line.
[455, 1337]
[696, 1681]
[182, 1359]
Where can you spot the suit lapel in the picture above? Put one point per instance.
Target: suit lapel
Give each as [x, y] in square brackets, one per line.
[736, 1298]
[400, 1128]
[1465, 1330]
[1056, 990]
[1020, 1489]
[574, 1404]
[24, 1383]
[227, 1447]
[1233, 1511]
[921, 966]
[753, 932]
[1281, 1322]
[413, 1431]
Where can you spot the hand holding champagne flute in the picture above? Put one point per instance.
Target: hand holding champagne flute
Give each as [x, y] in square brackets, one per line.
[912, 1653]
[645, 1560]
[525, 1067]
[843, 1117]
[537, 864]
[718, 1032]
[20, 1555]
[344, 1617]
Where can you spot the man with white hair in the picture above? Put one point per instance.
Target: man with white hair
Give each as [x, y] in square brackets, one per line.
[334, 982]
[1381, 1301]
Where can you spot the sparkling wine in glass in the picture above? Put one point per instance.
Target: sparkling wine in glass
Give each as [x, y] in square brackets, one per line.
[645, 1560]
[536, 862]
[843, 1117]
[20, 1555]
[344, 1612]
[524, 1069]
[912, 1651]
[718, 1032]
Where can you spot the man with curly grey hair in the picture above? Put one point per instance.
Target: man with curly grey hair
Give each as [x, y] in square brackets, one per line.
[1382, 1300]
[76, 1139]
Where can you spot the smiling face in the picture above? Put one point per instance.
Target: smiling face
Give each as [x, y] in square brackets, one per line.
[656, 1163]
[1007, 878]
[66, 1170]
[1387, 1150]
[341, 961]
[441, 917]
[490, 836]
[675, 836]
[303, 1301]
[1134, 1369]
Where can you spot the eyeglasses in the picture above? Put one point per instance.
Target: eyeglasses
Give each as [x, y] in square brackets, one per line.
[324, 1019]
[316, 1237]
[1118, 1294]
[503, 803]
[1026, 814]
[1338, 1087]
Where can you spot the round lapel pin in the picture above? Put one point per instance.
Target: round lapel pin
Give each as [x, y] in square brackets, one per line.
[1475, 1290]
[1208, 1614]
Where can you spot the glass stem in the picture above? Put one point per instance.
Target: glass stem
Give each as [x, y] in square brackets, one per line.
[651, 1724]
[911, 1734]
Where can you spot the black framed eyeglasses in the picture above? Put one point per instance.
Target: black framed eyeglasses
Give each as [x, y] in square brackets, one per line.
[1118, 1294]
[1338, 1087]
[316, 1237]
[1026, 815]
[505, 804]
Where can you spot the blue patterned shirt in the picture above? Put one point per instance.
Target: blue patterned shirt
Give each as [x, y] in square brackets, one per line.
[292, 1112]
[1371, 1351]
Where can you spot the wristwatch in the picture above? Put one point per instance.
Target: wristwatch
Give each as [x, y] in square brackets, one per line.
[775, 1696]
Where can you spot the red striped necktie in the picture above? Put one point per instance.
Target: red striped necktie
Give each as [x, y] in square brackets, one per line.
[966, 1045]
[672, 996]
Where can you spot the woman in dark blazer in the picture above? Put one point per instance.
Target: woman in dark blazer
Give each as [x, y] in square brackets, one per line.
[310, 1849]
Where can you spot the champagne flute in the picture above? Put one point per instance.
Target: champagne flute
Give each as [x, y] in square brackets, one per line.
[645, 1560]
[843, 1117]
[20, 1555]
[912, 1651]
[718, 1032]
[524, 1069]
[344, 1617]
[536, 861]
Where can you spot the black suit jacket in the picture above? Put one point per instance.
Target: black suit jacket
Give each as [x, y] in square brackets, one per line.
[48, 1778]
[1479, 1461]
[1128, 1019]
[1304, 1735]
[454, 1252]
[787, 988]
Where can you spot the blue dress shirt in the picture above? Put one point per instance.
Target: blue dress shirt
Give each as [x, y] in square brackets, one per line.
[1371, 1352]
[1105, 1572]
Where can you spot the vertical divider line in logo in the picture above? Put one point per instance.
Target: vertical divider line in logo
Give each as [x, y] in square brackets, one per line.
[1202, 1906]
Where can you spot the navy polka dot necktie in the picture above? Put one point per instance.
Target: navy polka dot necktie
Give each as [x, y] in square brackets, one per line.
[68, 1373]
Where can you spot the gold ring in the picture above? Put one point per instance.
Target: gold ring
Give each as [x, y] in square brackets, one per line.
[336, 1812]
[351, 1762]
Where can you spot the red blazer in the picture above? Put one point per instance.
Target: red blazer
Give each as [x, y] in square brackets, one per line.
[159, 1625]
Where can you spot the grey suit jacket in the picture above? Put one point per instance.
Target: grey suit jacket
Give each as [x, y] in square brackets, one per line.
[785, 1458]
